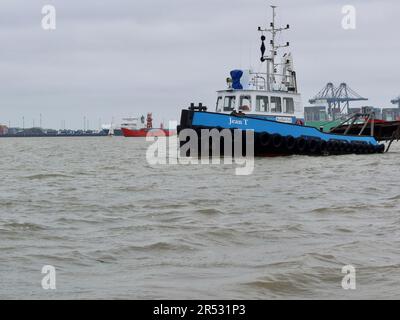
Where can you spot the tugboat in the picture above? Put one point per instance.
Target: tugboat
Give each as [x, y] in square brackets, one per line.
[269, 104]
[135, 127]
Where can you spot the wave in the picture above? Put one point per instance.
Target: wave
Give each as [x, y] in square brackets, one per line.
[14, 226]
[47, 176]
[209, 211]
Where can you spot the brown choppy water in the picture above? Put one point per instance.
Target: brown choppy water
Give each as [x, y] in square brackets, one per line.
[115, 227]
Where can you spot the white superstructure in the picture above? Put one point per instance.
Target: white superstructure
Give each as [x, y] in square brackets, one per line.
[272, 94]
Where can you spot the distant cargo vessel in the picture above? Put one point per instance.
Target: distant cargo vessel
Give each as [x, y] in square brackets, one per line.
[135, 127]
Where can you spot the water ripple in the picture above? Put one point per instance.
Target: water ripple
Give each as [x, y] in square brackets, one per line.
[116, 227]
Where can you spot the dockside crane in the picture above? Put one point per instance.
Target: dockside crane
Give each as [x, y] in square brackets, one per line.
[396, 101]
[337, 98]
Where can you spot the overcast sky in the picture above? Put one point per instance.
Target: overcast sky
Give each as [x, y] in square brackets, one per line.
[117, 58]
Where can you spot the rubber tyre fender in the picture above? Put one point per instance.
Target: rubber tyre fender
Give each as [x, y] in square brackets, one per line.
[332, 146]
[370, 149]
[323, 146]
[301, 144]
[342, 147]
[363, 149]
[355, 147]
[290, 143]
[380, 148]
[265, 139]
[348, 148]
[314, 146]
[277, 141]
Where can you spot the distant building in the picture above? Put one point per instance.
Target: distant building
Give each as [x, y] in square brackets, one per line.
[317, 113]
[51, 132]
[30, 132]
[354, 110]
[3, 130]
[376, 111]
[391, 114]
[13, 131]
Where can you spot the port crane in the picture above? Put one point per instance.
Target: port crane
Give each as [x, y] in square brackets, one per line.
[337, 98]
[396, 101]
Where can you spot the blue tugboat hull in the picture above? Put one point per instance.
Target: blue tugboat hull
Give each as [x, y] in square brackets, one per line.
[276, 138]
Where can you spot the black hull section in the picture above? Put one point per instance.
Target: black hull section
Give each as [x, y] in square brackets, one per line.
[385, 131]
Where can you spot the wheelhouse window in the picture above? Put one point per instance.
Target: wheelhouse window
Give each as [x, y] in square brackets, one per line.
[276, 104]
[288, 105]
[219, 104]
[229, 103]
[262, 104]
[245, 103]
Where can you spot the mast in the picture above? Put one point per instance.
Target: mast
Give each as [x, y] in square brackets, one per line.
[270, 59]
[149, 124]
[111, 131]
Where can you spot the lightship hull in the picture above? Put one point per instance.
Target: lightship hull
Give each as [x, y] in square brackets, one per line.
[154, 132]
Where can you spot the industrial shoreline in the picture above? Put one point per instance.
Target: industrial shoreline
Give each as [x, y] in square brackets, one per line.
[41, 133]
